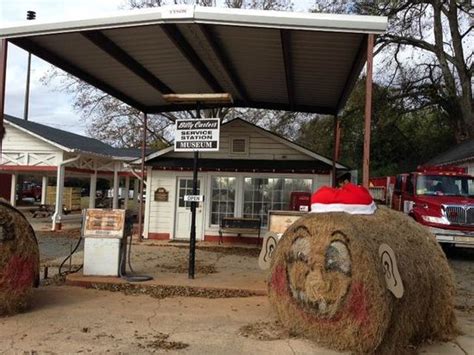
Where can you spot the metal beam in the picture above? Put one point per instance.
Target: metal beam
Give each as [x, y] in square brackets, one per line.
[3, 75]
[368, 111]
[356, 68]
[225, 61]
[285, 36]
[121, 56]
[63, 64]
[239, 103]
[181, 43]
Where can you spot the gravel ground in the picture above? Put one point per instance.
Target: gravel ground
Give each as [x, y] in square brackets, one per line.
[82, 321]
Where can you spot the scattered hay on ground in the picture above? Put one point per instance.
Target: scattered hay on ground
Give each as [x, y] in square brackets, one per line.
[228, 250]
[73, 233]
[19, 260]
[161, 341]
[56, 280]
[265, 331]
[164, 291]
[328, 283]
[183, 267]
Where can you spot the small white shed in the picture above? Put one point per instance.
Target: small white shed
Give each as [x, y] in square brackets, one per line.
[36, 149]
[253, 172]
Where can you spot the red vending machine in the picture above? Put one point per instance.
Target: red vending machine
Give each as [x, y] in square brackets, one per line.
[300, 201]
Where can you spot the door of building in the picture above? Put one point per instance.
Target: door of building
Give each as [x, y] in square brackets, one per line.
[183, 210]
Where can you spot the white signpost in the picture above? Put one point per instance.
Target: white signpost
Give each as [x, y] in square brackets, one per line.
[197, 135]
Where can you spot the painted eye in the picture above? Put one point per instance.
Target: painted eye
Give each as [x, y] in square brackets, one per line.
[301, 256]
[338, 257]
[300, 249]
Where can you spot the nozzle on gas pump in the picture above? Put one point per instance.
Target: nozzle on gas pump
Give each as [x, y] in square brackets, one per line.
[125, 255]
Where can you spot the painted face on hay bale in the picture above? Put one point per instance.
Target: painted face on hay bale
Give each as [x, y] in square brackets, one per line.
[19, 260]
[319, 275]
[328, 281]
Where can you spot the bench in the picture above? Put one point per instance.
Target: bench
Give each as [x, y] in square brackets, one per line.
[43, 211]
[239, 226]
[46, 211]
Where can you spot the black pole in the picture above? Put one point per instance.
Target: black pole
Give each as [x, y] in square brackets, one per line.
[192, 237]
[27, 89]
[30, 15]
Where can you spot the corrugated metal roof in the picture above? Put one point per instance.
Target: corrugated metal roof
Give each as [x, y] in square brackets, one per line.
[264, 59]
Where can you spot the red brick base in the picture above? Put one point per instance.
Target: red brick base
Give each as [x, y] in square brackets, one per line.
[159, 236]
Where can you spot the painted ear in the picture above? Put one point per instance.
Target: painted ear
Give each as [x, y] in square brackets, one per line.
[390, 269]
[270, 241]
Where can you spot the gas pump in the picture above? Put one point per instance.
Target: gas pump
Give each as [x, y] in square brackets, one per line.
[104, 242]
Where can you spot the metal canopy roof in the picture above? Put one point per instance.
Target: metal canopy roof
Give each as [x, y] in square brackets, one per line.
[264, 59]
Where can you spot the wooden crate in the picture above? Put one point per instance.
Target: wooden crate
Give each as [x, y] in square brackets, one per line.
[71, 197]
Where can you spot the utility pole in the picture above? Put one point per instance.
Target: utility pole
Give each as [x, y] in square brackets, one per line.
[30, 15]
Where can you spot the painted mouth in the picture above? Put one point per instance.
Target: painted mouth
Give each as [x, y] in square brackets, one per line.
[319, 308]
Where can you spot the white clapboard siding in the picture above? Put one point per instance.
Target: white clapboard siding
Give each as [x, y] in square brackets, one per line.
[162, 213]
[17, 140]
[261, 146]
[470, 167]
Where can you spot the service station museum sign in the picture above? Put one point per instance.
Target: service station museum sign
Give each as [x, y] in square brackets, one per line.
[197, 135]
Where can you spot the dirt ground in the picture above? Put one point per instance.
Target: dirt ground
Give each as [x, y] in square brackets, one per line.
[66, 319]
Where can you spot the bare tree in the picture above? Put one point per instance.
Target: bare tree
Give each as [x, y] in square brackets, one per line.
[428, 50]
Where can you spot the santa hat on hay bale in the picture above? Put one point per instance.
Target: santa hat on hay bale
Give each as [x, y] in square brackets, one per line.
[350, 198]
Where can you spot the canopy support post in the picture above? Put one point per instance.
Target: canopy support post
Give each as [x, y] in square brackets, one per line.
[368, 111]
[142, 175]
[3, 75]
[44, 186]
[116, 184]
[337, 138]
[127, 191]
[13, 189]
[93, 189]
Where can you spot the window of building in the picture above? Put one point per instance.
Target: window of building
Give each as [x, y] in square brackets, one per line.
[222, 198]
[186, 188]
[264, 194]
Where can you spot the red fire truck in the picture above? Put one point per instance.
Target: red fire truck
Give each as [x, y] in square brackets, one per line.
[442, 199]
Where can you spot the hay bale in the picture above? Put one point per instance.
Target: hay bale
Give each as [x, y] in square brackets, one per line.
[19, 260]
[328, 283]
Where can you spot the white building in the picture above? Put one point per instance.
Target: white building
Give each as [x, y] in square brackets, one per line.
[461, 155]
[36, 149]
[253, 172]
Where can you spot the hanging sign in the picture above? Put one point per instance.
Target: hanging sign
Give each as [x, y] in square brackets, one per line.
[197, 135]
[193, 198]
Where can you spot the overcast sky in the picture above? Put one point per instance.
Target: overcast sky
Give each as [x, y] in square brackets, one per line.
[48, 106]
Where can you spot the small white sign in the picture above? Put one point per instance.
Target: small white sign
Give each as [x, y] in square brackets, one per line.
[197, 135]
[193, 198]
[177, 12]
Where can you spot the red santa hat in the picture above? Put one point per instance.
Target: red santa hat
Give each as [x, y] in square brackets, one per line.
[350, 198]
